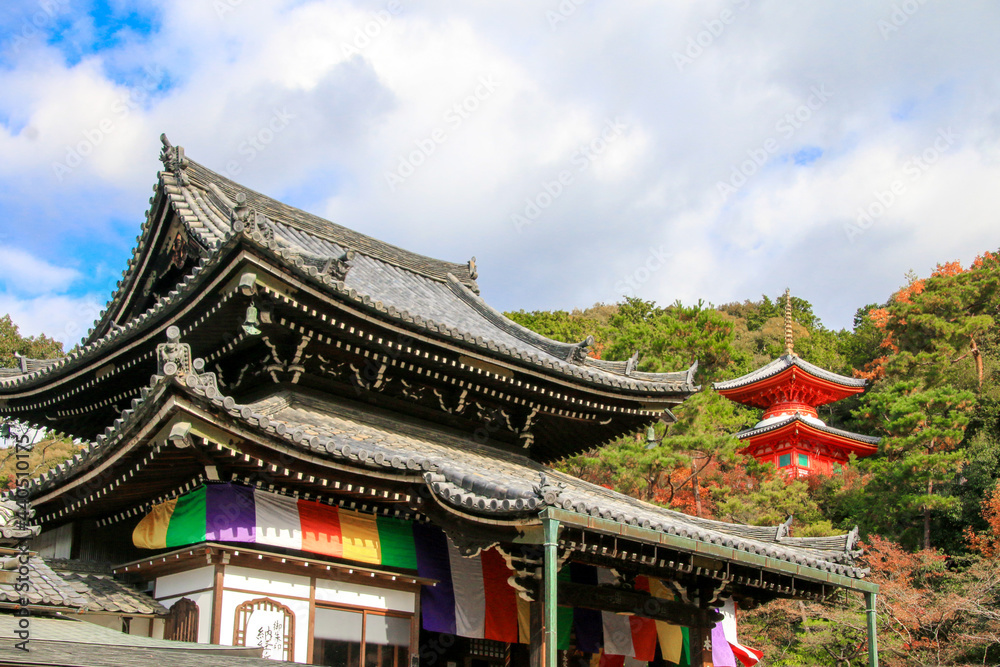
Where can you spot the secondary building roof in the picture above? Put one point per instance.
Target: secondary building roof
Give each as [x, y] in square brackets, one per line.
[76, 591]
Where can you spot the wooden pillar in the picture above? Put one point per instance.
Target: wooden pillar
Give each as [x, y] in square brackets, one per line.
[550, 589]
[872, 631]
[414, 654]
[543, 611]
[701, 630]
[701, 643]
[220, 573]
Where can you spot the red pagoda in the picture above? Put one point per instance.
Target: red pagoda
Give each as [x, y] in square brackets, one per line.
[790, 434]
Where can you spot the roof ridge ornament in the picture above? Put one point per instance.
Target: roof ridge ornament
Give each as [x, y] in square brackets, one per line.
[473, 271]
[250, 222]
[173, 358]
[578, 352]
[632, 362]
[789, 351]
[172, 156]
[337, 267]
[240, 212]
[784, 529]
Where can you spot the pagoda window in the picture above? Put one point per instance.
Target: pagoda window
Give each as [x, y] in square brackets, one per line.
[803, 461]
[837, 468]
[360, 638]
[784, 460]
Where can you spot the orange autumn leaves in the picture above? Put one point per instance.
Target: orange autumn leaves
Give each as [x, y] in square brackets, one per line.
[890, 318]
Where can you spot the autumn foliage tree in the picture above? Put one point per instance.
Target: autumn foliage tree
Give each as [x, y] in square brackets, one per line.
[931, 324]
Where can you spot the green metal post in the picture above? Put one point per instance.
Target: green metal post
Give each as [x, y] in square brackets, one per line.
[549, 586]
[872, 636]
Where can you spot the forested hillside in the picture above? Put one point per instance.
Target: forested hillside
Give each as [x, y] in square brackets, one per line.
[927, 504]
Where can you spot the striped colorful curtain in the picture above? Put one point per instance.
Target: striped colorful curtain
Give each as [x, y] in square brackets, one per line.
[234, 513]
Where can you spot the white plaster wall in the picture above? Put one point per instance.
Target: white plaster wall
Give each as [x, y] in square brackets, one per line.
[364, 596]
[204, 602]
[103, 620]
[177, 584]
[159, 627]
[270, 583]
[139, 627]
[232, 599]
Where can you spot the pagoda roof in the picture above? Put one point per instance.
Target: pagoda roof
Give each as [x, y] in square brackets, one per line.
[860, 443]
[770, 384]
[432, 296]
[782, 364]
[458, 476]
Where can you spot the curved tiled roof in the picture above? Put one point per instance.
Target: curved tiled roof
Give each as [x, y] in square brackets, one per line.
[27, 365]
[440, 298]
[104, 593]
[813, 424]
[470, 477]
[783, 363]
[45, 587]
[49, 584]
[483, 480]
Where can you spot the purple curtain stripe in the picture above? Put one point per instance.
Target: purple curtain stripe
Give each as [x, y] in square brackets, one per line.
[231, 515]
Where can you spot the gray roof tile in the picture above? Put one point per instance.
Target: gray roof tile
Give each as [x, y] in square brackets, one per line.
[45, 587]
[468, 475]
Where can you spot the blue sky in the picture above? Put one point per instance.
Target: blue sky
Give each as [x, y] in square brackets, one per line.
[755, 145]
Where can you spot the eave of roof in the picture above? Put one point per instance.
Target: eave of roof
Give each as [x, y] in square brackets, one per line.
[783, 363]
[69, 641]
[817, 430]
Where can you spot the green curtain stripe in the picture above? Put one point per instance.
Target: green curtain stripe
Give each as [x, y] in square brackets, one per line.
[396, 539]
[686, 651]
[187, 524]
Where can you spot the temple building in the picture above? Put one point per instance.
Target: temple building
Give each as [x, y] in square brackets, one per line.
[302, 439]
[790, 434]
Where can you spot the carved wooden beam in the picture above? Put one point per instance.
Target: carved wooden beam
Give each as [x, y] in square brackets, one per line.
[607, 598]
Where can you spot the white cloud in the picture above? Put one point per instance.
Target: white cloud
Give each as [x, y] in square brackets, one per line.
[355, 113]
[64, 318]
[27, 274]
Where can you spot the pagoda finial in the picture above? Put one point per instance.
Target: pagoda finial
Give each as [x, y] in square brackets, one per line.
[788, 323]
